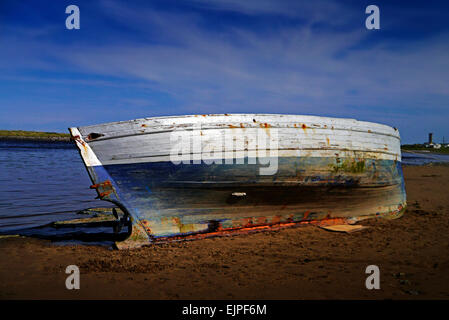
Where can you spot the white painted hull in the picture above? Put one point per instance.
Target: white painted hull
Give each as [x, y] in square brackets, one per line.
[298, 136]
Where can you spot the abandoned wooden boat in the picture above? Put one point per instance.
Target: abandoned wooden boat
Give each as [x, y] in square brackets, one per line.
[183, 177]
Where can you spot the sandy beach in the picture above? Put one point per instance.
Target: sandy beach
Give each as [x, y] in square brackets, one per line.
[298, 263]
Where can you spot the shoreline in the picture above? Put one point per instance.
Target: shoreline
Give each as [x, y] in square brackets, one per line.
[430, 151]
[38, 136]
[307, 262]
[35, 139]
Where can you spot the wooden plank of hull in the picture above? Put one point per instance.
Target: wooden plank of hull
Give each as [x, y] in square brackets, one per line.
[327, 169]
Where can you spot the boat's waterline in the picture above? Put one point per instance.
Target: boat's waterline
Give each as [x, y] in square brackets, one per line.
[321, 169]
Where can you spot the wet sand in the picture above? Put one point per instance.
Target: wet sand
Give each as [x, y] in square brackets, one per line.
[299, 263]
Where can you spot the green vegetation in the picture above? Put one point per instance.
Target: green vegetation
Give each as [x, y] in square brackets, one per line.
[420, 147]
[32, 134]
[353, 166]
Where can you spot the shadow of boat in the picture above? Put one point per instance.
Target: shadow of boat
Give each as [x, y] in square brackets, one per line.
[98, 226]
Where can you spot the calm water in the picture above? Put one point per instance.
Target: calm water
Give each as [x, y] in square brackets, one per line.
[409, 158]
[41, 183]
[45, 182]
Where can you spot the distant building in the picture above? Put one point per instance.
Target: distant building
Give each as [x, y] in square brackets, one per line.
[430, 144]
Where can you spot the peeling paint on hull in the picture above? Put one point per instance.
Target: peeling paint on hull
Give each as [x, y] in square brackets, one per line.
[322, 177]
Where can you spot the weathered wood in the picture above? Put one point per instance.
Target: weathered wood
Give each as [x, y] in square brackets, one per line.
[326, 169]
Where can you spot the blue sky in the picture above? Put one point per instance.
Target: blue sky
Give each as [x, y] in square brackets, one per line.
[134, 59]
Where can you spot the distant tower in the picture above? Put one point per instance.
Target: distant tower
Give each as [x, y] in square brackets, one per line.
[430, 138]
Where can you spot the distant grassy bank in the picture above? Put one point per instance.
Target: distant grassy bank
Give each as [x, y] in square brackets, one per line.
[421, 148]
[33, 135]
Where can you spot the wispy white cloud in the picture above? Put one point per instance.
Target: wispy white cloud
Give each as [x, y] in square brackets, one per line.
[316, 11]
[296, 68]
